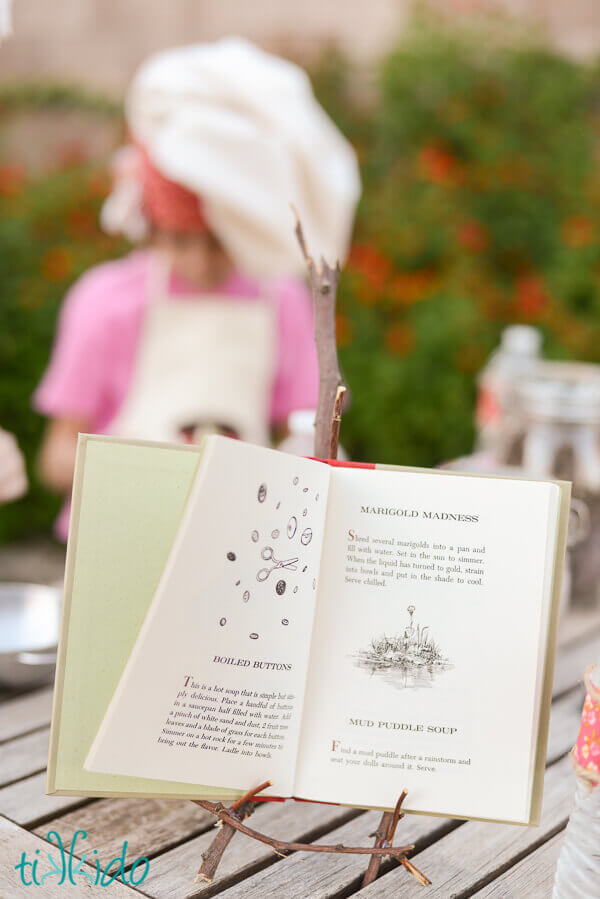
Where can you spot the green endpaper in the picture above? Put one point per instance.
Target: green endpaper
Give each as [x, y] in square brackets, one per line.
[129, 488]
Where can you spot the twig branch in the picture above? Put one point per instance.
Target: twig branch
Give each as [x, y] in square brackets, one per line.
[282, 847]
[250, 795]
[231, 820]
[242, 808]
[381, 840]
[384, 837]
[323, 281]
[416, 873]
[412, 869]
[396, 817]
[334, 436]
[211, 859]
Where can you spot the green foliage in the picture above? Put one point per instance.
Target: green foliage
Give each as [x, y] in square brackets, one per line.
[17, 96]
[480, 208]
[48, 237]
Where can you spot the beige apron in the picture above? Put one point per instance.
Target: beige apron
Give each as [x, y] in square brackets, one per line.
[203, 362]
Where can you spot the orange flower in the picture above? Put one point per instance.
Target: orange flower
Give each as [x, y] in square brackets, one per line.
[410, 287]
[399, 339]
[530, 296]
[577, 231]
[57, 264]
[373, 270]
[514, 171]
[436, 163]
[344, 331]
[80, 220]
[473, 236]
[374, 267]
[12, 180]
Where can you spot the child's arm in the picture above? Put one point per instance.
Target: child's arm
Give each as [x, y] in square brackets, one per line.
[77, 389]
[56, 461]
[13, 480]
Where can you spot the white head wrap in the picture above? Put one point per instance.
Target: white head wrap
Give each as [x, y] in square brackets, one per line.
[242, 129]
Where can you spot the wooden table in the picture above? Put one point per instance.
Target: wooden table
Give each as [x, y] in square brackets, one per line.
[462, 859]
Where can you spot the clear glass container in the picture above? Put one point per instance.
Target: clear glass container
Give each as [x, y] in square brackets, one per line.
[578, 869]
[517, 355]
[552, 430]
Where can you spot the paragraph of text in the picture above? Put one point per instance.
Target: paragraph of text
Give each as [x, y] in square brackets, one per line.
[213, 718]
[378, 562]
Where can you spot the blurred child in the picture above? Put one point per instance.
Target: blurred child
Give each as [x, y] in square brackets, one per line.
[13, 480]
[210, 326]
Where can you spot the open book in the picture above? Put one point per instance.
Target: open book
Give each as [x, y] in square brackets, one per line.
[345, 632]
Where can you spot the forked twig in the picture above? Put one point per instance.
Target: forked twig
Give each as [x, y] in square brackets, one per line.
[283, 847]
[323, 282]
[396, 817]
[241, 809]
[211, 859]
[232, 819]
[384, 836]
[381, 835]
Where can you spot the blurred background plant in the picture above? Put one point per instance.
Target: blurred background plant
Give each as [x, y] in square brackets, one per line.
[49, 235]
[481, 207]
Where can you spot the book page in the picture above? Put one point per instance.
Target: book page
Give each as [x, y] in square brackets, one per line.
[427, 652]
[213, 690]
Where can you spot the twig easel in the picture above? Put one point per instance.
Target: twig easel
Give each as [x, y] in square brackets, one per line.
[323, 281]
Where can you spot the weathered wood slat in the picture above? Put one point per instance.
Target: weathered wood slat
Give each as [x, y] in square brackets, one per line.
[24, 756]
[148, 825]
[572, 661]
[172, 874]
[478, 852]
[565, 717]
[26, 713]
[14, 841]
[25, 801]
[323, 876]
[461, 860]
[532, 878]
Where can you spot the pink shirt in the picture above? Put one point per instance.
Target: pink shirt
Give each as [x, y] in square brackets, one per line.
[99, 328]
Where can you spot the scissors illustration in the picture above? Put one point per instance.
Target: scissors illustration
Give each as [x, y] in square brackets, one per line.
[267, 555]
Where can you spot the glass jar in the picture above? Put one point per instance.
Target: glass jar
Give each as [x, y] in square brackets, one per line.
[552, 430]
[578, 869]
